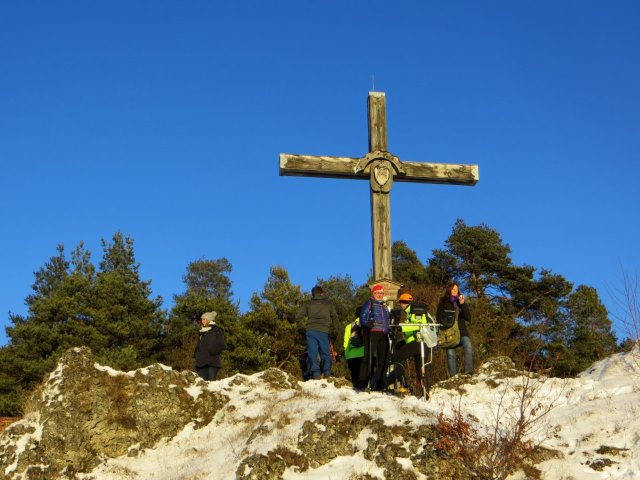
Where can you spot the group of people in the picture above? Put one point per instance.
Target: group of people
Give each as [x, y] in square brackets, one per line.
[367, 341]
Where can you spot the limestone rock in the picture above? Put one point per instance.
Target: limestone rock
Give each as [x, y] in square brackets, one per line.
[85, 412]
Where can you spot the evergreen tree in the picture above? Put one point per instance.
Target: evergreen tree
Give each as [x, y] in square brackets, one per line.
[122, 310]
[72, 305]
[58, 318]
[588, 334]
[475, 257]
[407, 268]
[515, 310]
[480, 263]
[208, 287]
[415, 277]
[270, 325]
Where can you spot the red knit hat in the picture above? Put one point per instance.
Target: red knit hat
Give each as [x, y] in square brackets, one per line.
[377, 288]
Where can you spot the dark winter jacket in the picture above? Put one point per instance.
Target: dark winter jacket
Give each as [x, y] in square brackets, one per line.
[374, 316]
[321, 316]
[210, 346]
[464, 315]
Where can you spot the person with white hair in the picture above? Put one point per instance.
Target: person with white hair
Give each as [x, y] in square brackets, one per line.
[208, 353]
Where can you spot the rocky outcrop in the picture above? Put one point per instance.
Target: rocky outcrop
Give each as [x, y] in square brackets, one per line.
[91, 422]
[85, 412]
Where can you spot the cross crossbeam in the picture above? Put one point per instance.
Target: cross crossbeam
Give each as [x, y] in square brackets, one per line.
[381, 168]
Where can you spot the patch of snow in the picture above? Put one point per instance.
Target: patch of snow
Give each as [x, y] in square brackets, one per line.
[24, 441]
[584, 415]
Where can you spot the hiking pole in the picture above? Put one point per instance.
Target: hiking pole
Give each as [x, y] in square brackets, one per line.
[425, 393]
[428, 337]
[370, 361]
[391, 366]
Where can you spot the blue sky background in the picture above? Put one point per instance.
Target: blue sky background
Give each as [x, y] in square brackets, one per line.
[164, 120]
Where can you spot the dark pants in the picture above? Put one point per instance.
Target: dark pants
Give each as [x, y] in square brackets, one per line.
[208, 373]
[408, 350]
[354, 367]
[376, 344]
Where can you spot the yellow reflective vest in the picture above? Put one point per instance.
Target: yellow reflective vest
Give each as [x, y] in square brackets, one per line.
[349, 351]
[409, 332]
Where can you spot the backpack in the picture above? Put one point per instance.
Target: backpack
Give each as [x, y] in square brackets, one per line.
[418, 309]
[449, 332]
[417, 315]
[356, 339]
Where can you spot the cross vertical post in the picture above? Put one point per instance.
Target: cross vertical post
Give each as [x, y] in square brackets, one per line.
[380, 200]
[381, 168]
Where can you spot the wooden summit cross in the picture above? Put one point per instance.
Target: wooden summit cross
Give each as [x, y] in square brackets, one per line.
[381, 168]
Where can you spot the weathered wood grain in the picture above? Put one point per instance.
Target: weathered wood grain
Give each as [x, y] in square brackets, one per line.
[344, 167]
[383, 162]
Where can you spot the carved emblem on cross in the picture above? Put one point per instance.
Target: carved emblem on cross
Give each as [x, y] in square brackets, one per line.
[381, 168]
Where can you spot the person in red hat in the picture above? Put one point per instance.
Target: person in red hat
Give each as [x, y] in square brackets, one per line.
[375, 321]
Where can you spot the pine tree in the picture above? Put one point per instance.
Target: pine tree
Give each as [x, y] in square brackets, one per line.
[407, 267]
[270, 325]
[516, 311]
[475, 257]
[208, 287]
[588, 334]
[58, 318]
[122, 310]
[73, 305]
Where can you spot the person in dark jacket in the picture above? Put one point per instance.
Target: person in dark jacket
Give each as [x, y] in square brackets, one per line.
[209, 349]
[454, 300]
[375, 321]
[322, 323]
[414, 313]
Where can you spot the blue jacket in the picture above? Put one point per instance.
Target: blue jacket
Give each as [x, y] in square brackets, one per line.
[374, 316]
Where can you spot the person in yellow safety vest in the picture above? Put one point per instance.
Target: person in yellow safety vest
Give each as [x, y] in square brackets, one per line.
[408, 346]
[354, 348]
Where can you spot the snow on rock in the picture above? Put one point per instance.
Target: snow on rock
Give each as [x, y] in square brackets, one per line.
[162, 424]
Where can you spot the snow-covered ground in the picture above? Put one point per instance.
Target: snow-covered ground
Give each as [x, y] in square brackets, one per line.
[593, 421]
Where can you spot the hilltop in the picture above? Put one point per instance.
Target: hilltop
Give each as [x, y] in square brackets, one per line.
[88, 421]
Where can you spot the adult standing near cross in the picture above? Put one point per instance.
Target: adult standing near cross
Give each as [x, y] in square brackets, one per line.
[381, 168]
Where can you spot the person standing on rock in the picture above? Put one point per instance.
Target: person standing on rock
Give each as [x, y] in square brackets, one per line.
[209, 349]
[354, 348]
[375, 321]
[322, 323]
[453, 302]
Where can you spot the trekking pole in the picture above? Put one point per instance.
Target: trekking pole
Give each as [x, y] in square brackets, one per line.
[390, 365]
[423, 372]
[428, 336]
[370, 359]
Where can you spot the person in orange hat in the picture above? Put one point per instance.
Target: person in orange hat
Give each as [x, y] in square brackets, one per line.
[375, 321]
[408, 347]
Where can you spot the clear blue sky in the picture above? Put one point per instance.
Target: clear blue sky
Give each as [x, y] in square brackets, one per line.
[164, 120]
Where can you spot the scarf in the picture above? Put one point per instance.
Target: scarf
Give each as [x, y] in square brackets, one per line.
[207, 328]
[454, 301]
